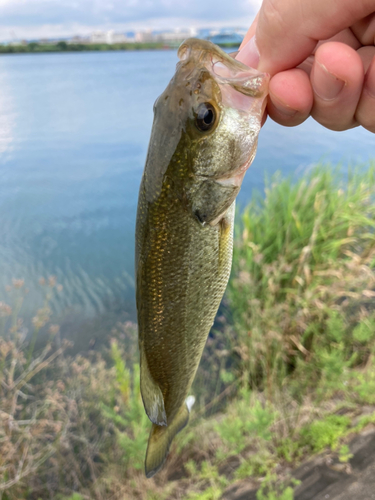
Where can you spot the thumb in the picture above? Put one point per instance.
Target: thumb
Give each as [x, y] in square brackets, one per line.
[287, 31]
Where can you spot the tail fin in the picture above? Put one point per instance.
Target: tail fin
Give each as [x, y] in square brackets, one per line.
[161, 438]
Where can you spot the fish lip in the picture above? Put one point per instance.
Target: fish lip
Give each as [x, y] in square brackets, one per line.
[206, 48]
[205, 53]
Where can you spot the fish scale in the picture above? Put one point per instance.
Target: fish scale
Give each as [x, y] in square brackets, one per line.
[203, 139]
[178, 314]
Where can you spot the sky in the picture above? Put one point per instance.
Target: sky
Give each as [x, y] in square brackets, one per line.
[29, 19]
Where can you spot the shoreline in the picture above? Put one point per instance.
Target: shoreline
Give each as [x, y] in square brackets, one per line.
[36, 48]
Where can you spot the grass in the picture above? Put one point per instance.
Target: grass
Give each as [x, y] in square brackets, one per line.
[284, 376]
[303, 283]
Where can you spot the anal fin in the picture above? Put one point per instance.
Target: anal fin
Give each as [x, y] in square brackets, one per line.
[161, 438]
[152, 396]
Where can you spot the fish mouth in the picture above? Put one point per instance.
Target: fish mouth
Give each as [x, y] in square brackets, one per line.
[223, 67]
[203, 51]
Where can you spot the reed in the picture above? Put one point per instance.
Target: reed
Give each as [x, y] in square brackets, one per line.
[303, 282]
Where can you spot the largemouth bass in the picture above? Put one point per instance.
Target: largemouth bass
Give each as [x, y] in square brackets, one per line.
[203, 139]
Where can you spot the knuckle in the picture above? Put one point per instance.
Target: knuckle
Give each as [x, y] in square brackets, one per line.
[335, 123]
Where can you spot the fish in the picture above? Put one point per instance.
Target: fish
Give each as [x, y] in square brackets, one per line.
[203, 139]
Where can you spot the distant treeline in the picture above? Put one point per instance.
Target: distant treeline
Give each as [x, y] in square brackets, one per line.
[76, 47]
[34, 47]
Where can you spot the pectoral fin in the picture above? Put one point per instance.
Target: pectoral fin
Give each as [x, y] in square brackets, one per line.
[161, 437]
[152, 396]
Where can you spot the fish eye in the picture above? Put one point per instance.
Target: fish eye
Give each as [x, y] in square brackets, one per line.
[205, 117]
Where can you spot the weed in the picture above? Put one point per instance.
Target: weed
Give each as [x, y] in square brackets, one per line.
[208, 474]
[364, 386]
[128, 416]
[325, 433]
[344, 454]
[246, 420]
[75, 496]
[256, 465]
[272, 490]
[364, 421]
[303, 280]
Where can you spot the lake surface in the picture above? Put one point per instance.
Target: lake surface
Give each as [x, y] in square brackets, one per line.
[74, 131]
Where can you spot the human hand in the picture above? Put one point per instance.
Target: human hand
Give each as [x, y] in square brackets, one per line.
[321, 57]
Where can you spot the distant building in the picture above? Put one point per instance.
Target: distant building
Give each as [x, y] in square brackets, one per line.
[226, 38]
[130, 36]
[144, 36]
[168, 37]
[98, 37]
[204, 33]
[113, 37]
[177, 36]
[110, 37]
[76, 40]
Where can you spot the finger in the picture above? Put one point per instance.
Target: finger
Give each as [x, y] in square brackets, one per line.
[365, 113]
[366, 54]
[290, 97]
[250, 33]
[288, 31]
[307, 65]
[248, 53]
[336, 78]
[364, 29]
[345, 36]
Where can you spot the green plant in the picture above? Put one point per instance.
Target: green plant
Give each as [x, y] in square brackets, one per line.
[128, 416]
[325, 433]
[247, 419]
[289, 449]
[75, 496]
[344, 453]
[207, 474]
[257, 464]
[364, 385]
[303, 280]
[272, 490]
[364, 421]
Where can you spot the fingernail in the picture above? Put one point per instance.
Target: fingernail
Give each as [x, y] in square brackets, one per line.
[249, 54]
[370, 79]
[326, 85]
[282, 107]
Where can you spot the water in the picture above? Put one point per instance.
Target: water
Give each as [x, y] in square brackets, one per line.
[74, 130]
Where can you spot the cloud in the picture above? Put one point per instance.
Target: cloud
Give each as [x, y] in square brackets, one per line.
[30, 16]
